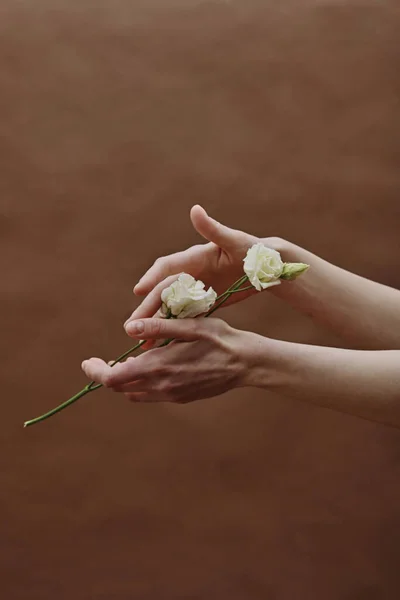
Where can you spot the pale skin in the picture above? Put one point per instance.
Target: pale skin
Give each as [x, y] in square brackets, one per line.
[211, 357]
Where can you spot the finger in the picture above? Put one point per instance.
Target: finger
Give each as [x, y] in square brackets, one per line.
[213, 231]
[149, 345]
[164, 267]
[126, 372]
[152, 344]
[96, 369]
[188, 330]
[151, 304]
[113, 362]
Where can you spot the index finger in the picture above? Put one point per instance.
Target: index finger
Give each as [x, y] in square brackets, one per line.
[165, 266]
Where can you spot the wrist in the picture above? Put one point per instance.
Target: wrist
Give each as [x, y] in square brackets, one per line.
[306, 291]
[262, 361]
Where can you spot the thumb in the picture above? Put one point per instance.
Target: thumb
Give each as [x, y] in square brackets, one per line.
[188, 330]
[215, 232]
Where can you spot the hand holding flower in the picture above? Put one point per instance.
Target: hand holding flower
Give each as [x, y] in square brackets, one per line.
[218, 262]
[186, 297]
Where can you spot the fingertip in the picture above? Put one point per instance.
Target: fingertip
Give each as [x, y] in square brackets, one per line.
[149, 344]
[140, 291]
[135, 328]
[197, 209]
[201, 221]
[127, 326]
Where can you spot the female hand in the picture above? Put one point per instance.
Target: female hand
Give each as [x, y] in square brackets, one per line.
[218, 263]
[213, 358]
[209, 359]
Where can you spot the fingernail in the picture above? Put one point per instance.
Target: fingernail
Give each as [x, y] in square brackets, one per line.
[135, 327]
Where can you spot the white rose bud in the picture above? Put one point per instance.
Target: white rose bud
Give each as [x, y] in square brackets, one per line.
[263, 266]
[187, 297]
[293, 270]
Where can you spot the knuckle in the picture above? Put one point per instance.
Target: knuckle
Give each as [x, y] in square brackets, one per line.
[164, 372]
[275, 242]
[220, 326]
[202, 329]
[225, 327]
[159, 262]
[164, 386]
[156, 372]
[156, 326]
[218, 323]
[197, 327]
[168, 392]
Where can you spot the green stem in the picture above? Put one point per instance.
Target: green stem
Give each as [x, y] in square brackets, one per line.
[249, 287]
[234, 288]
[83, 392]
[127, 353]
[86, 390]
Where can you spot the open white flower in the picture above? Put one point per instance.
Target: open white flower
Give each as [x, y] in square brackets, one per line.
[263, 266]
[186, 297]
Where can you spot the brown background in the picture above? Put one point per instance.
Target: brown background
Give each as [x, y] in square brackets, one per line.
[281, 118]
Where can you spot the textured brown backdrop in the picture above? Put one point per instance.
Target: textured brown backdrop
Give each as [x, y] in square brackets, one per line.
[281, 118]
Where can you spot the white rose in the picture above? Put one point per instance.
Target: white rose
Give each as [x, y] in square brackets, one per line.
[263, 266]
[187, 297]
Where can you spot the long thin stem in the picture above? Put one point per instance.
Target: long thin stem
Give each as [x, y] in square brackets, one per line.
[249, 287]
[232, 287]
[86, 390]
[125, 354]
[235, 287]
